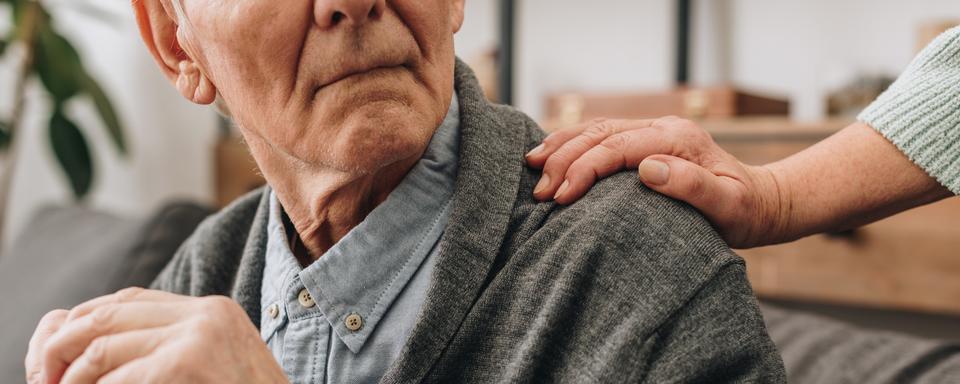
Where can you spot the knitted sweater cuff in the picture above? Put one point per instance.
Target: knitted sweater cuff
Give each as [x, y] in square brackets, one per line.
[920, 112]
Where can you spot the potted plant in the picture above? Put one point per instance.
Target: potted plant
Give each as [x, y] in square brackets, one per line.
[45, 54]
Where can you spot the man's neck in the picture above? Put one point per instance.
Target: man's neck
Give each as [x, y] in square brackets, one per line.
[325, 204]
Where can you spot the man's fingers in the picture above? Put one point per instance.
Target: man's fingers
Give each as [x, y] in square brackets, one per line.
[49, 324]
[689, 182]
[110, 352]
[74, 337]
[125, 295]
[136, 371]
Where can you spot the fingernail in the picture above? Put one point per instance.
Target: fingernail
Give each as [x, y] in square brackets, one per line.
[563, 188]
[654, 172]
[542, 185]
[536, 151]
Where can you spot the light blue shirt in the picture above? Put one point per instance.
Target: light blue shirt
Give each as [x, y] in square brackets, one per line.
[346, 317]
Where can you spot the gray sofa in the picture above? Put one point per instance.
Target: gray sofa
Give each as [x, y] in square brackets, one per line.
[69, 255]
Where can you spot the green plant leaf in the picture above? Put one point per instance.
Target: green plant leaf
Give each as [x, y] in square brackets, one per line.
[3, 46]
[107, 113]
[58, 65]
[72, 152]
[5, 136]
[17, 8]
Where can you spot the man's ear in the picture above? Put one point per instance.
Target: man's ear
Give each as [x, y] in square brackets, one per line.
[456, 14]
[159, 30]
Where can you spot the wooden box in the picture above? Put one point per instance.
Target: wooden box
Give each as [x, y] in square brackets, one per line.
[565, 109]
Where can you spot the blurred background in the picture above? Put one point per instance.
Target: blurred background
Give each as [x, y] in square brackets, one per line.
[766, 77]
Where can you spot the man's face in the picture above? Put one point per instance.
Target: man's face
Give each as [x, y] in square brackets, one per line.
[353, 85]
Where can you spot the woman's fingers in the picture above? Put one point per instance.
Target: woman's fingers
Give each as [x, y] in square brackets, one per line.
[107, 353]
[537, 157]
[621, 151]
[558, 158]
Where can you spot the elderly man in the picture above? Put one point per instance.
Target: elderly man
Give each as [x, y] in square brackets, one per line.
[398, 240]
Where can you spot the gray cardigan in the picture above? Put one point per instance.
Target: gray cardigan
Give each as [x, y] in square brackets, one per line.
[623, 286]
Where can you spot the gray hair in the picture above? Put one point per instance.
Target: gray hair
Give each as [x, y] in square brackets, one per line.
[219, 105]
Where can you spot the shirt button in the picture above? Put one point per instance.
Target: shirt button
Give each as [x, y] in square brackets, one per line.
[305, 299]
[273, 311]
[353, 322]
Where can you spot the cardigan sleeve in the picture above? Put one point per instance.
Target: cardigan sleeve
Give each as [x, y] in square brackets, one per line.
[920, 112]
[718, 336]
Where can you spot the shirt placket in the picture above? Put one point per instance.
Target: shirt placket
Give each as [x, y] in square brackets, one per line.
[306, 337]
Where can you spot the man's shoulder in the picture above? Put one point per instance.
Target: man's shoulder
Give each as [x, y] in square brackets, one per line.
[649, 234]
[628, 275]
[620, 215]
[622, 205]
[234, 219]
[645, 253]
[204, 262]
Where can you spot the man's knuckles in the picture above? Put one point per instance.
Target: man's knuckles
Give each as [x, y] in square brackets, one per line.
[221, 307]
[34, 375]
[54, 317]
[129, 294]
[216, 319]
[95, 359]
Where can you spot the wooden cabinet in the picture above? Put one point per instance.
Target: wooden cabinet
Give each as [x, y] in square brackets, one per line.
[908, 262]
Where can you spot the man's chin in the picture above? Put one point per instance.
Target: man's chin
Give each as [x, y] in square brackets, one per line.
[371, 152]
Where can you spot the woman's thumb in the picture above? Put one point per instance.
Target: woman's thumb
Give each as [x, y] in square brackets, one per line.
[686, 181]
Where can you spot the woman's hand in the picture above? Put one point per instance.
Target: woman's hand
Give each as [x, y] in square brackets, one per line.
[674, 157]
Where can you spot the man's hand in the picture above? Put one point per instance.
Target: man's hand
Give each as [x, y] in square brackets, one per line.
[143, 336]
[674, 157]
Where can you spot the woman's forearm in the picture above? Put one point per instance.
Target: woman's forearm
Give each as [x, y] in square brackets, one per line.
[850, 179]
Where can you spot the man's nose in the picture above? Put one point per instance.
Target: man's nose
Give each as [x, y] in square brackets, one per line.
[331, 13]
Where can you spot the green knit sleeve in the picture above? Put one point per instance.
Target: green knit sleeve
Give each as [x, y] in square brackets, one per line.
[920, 112]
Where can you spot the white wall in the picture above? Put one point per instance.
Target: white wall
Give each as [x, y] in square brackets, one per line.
[572, 44]
[798, 49]
[804, 49]
[608, 45]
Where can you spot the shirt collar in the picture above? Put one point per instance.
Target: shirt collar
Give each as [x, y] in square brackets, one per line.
[367, 270]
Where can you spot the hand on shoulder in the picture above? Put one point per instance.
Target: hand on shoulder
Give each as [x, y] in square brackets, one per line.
[673, 156]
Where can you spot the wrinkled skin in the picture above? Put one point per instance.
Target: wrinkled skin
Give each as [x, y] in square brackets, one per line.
[337, 100]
